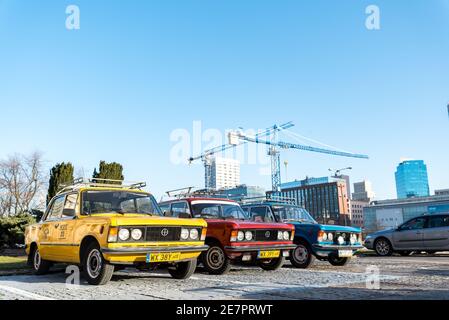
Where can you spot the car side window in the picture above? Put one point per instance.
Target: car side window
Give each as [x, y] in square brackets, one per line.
[179, 208]
[414, 224]
[56, 209]
[261, 214]
[70, 205]
[438, 222]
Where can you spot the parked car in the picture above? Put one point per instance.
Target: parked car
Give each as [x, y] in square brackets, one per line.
[231, 236]
[101, 227]
[332, 243]
[429, 233]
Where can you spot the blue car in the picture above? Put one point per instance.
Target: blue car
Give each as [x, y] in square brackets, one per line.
[335, 244]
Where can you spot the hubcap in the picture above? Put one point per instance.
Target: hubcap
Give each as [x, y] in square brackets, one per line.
[382, 247]
[215, 258]
[301, 254]
[94, 263]
[37, 259]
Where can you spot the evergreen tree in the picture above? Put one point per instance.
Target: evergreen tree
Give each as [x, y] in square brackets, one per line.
[60, 174]
[113, 171]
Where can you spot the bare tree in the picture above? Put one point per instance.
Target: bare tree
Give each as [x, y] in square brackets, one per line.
[21, 183]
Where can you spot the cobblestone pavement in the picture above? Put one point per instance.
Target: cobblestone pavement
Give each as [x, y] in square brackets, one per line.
[415, 277]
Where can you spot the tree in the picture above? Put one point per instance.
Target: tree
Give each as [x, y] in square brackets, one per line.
[113, 171]
[61, 173]
[21, 184]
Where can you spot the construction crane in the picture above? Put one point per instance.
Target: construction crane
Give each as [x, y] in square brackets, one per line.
[207, 155]
[237, 138]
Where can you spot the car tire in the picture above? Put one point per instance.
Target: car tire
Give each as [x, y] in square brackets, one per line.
[271, 264]
[183, 270]
[383, 247]
[405, 253]
[337, 261]
[96, 270]
[215, 260]
[40, 266]
[302, 256]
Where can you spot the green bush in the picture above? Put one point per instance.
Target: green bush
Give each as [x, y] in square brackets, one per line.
[12, 229]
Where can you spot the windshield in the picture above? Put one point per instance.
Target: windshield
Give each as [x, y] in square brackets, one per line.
[218, 211]
[95, 202]
[293, 213]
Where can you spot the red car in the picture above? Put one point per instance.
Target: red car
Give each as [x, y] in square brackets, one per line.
[231, 236]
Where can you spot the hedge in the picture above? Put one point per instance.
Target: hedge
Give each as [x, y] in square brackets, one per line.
[12, 230]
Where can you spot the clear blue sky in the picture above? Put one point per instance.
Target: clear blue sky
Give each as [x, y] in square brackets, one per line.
[136, 70]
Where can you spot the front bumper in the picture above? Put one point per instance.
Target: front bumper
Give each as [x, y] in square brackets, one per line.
[138, 251]
[242, 249]
[336, 247]
[130, 255]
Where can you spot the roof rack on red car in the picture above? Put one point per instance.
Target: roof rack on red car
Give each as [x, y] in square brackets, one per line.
[271, 198]
[188, 192]
[100, 182]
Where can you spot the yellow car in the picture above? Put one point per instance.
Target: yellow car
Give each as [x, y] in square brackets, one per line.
[105, 226]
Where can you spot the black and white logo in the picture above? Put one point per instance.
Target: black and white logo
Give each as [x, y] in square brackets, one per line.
[164, 232]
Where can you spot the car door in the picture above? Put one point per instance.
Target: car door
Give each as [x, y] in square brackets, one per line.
[64, 230]
[48, 244]
[436, 235]
[409, 236]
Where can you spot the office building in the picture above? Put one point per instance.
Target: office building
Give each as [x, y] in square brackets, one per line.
[325, 198]
[391, 213]
[363, 191]
[225, 173]
[411, 179]
[442, 192]
[242, 191]
[356, 212]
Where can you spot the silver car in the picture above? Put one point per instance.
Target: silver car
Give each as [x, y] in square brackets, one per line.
[429, 233]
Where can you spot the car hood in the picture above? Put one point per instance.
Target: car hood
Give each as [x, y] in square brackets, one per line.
[339, 228]
[244, 224]
[146, 220]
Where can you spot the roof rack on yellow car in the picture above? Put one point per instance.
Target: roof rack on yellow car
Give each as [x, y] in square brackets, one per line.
[100, 182]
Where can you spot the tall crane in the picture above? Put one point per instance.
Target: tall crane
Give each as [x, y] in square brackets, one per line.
[237, 138]
[207, 155]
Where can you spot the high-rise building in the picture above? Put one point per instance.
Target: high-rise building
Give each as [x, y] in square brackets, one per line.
[242, 191]
[363, 191]
[411, 179]
[225, 173]
[325, 198]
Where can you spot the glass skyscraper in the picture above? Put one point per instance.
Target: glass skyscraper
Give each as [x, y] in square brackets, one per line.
[411, 179]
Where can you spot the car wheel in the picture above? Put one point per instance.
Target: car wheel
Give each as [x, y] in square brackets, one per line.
[183, 270]
[302, 256]
[338, 262]
[405, 253]
[96, 269]
[215, 260]
[40, 265]
[271, 264]
[383, 247]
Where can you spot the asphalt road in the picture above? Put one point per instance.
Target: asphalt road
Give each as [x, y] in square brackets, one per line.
[415, 277]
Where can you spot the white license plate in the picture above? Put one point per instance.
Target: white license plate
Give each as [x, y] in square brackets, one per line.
[344, 253]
